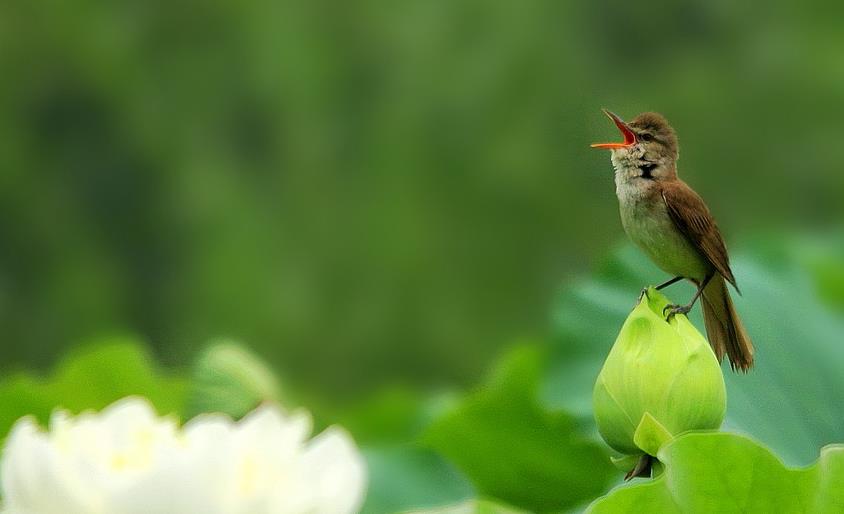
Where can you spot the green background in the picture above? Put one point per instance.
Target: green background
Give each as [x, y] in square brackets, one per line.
[379, 199]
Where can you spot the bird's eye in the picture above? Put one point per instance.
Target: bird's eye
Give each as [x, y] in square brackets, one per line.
[646, 137]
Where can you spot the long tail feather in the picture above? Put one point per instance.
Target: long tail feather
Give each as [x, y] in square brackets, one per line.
[723, 326]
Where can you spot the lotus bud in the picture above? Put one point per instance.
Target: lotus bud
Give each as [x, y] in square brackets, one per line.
[660, 379]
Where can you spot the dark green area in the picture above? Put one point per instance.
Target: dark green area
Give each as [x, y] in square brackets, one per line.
[374, 191]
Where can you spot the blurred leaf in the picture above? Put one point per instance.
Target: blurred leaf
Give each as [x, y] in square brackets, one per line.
[821, 255]
[91, 378]
[825, 258]
[96, 376]
[727, 473]
[403, 478]
[473, 507]
[513, 449]
[228, 378]
[792, 400]
[22, 395]
[393, 415]
[830, 280]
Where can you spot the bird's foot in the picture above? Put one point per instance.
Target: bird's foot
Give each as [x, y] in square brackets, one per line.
[642, 468]
[670, 310]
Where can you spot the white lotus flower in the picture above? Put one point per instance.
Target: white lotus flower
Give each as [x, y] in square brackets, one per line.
[127, 460]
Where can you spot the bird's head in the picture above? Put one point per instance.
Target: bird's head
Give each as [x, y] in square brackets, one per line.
[648, 138]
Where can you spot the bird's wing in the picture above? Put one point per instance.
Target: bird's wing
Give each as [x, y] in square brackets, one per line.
[692, 218]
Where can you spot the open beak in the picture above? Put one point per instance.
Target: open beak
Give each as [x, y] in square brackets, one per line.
[629, 136]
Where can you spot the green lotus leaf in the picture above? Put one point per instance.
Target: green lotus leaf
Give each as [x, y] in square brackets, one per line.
[405, 477]
[728, 473]
[517, 452]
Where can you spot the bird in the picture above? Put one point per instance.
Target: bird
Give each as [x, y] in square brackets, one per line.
[672, 225]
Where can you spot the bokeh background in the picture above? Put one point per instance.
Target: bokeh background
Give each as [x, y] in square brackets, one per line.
[371, 194]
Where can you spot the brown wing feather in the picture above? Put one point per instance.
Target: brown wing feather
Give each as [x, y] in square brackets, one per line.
[691, 215]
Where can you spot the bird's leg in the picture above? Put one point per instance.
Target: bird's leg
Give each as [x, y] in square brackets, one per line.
[661, 286]
[668, 283]
[642, 468]
[684, 309]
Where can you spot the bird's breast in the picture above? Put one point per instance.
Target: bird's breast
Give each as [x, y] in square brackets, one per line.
[646, 221]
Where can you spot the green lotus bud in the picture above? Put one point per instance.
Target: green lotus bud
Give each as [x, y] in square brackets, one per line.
[660, 379]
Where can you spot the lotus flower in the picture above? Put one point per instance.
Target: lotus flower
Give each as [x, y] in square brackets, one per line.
[127, 460]
[660, 379]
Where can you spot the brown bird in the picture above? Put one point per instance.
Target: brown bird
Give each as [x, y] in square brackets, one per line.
[673, 226]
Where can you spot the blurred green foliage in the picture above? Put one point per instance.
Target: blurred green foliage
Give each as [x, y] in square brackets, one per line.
[90, 378]
[515, 450]
[400, 185]
[226, 378]
[406, 477]
[525, 437]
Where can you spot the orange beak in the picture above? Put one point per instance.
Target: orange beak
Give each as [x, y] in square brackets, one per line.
[629, 136]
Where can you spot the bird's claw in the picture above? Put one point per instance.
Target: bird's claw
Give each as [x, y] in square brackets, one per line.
[675, 309]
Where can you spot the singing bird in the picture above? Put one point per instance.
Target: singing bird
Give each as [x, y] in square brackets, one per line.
[664, 217]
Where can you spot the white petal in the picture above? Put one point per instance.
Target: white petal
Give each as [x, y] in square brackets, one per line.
[128, 460]
[336, 471]
[32, 466]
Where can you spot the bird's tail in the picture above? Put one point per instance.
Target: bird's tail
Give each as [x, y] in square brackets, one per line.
[723, 326]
